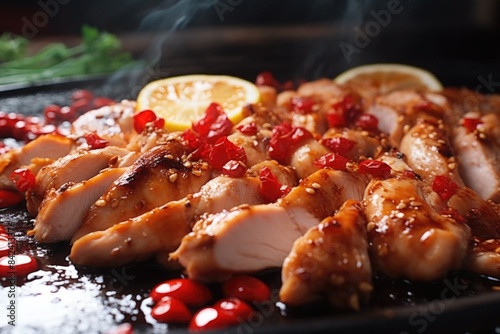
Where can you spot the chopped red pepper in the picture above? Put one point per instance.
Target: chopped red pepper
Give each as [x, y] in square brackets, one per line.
[338, 144]
[303, 105]
[23, 178]
[10, 198]
[336, 120]
[234, 168]
[270, 188]
[471, 124]
[332, 160]
[375, 168]
[214, 124]
[454, 214]
[249, 129]
[444, 187]
[285, 140]
[223, 151]
[367, 122]
[94, 141]
[145, 117]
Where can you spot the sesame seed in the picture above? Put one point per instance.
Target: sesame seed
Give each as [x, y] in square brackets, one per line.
[371, 226]
[172, 177]
[316, 185]
[267, 126]
[244, 206]
[489, 241]
[196, 172]
[204, 166]
[482, 135]
[365, 287]
[497, 250]
[416, 203]
[100, 203]
[406, 128]
[452, 166]
[310, 191]
[169, 156]
[115, 202]
[188, 164]
[400, 215]
[412, 198]
[401, 206]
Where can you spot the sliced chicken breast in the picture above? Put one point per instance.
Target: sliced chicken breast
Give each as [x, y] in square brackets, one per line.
[331, 260]
[484, 257]
[62, 210]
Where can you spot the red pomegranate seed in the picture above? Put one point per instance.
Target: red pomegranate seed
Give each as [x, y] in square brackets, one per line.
[66, 114]
[212, 318]
[10, 198]
[249, 129]
[82, 94]
[303, 105]
[270, 188]
[338, 144]
[23, 178]
[410, 174]
[81, 107]
[223, 151]
[375, 168]
[214, 124]
[6, 244]
[247, 288]
[125, 328]
[471, 124]
[171, 310]
[94, 141]
[444, 187]
[5, 129]
[235, 306]
[234, 168]
[367, 122]
[17, 265]
[145, 117]
[20, 130]
[266, 78]
[285, 140]
[186, 290]
[332, 160]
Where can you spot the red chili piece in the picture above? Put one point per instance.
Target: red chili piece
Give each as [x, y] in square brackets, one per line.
[471, 124]
[331, 160]
[303, 105]
[285, 140]
[375, 168]
[234, 168]
[344, 112]
[249, 129]
[214, 124]
[144, 117]
[338, 144]
[94, 141]
[186, 290]
[223, 151]
[367, 122]
[247, 288]
[444, 187]
[171, 310]
[266, 78]
[23, 178]
[270, 188]
[10, 198]
[17, 265]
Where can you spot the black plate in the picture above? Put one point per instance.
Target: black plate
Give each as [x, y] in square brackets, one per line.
[60, 298]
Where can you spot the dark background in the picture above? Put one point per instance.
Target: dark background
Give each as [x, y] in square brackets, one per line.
[458, 40]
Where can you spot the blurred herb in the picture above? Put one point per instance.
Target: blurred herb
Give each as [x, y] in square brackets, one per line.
[100, 52]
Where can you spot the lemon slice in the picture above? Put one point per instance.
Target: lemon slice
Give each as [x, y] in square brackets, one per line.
[182, 100]
[374, 79]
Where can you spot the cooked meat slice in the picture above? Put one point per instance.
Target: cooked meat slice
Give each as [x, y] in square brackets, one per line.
[62, 210]
[478, 162]
[302, 158]
[257, 237]
[324, 90]
[366, 145]
[484, 257]
[408, 238]
[113, 123]
[160, 230]
[428, 151]
[45, 149]
[390, 121]
[331, 260]
[156, 178]
[75, 167]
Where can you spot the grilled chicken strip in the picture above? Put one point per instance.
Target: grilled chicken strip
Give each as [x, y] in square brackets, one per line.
[478, 158]
[157, 177]
[113, 123]
[484, 257]
[408, 238]
[428, 151]
[63, 209]
[39, 152]
[160, 230]
[75, 167]
[256, 237]
[331, 260]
